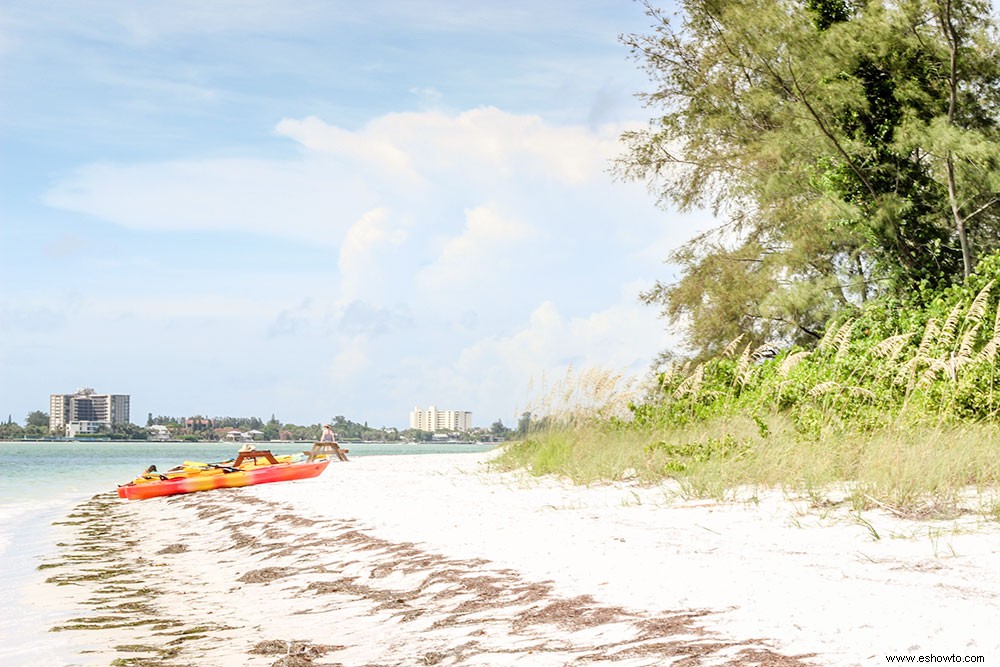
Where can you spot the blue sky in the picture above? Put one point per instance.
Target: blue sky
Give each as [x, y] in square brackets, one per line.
[314, 209]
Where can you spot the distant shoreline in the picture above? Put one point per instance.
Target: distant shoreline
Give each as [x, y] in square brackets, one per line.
[258, 442]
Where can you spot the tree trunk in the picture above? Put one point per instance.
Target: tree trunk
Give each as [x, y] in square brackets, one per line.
[952, 38]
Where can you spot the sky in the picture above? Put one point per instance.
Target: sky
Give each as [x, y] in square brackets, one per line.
[322, 208]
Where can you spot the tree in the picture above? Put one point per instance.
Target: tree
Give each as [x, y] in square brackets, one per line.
[129, 431]
[963, 140]
[498, 430]
[524, 425]
[416, 435]
[37, 418]
[820, 132]
[272, 429]
[11, 431]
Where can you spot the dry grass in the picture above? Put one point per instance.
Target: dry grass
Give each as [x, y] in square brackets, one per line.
[579, 398]
[908, 469]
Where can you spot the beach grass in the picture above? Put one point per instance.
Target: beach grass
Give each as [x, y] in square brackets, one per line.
[914, 471]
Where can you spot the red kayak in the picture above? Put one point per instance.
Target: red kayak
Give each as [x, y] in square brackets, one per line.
[193, 478]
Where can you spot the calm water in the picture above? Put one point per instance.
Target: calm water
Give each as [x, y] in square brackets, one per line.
[41, 481]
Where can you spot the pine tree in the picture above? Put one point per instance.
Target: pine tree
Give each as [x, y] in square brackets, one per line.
[844, 146]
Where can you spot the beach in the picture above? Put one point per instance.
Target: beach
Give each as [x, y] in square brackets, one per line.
[439, 560]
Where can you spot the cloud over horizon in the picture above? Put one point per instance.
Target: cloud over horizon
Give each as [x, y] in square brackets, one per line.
[332, 210]
[456, 239]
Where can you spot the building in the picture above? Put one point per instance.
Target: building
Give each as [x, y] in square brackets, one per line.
[159, 433]
[76, 428]
[86, 406]
[433, 419]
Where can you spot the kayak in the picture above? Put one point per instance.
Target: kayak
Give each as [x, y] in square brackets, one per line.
[191, 477]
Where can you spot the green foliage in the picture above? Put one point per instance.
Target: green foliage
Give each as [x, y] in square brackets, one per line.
[498, 430]
[850, 150]
[37, 418]
[127, 431]
[349, 430]
[931, 354]
[681, 456]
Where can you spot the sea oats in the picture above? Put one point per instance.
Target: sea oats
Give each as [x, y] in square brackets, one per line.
[731, 347]
[742, 375]
[827, 338]
[843, 339]
[668, 375]
[978, 308]
[691, 383]
[937, 366]
[908, 369]
[580, 397]
[931, 332]
[892, 346]
[824, 388]
[965, 347]
[989, 351]
[790, 362]
[947, 336]
[861, 392]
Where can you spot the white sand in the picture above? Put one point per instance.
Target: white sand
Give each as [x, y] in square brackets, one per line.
[409, 560]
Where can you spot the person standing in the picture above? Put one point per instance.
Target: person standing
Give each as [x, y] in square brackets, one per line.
[327, 435]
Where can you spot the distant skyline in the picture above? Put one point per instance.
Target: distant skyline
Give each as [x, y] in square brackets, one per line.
[314, 209]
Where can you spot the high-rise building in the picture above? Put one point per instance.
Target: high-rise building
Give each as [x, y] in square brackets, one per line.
[433, 419]
[87, 406]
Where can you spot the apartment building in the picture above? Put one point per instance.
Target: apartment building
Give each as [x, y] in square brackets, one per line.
[433, 419]
[86, 406]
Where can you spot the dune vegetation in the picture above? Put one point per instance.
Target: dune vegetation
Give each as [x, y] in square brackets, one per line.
[896, 405]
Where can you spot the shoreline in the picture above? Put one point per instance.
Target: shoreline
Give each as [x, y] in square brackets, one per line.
[433, 559]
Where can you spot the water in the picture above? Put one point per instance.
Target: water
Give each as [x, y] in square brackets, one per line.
[41, 482]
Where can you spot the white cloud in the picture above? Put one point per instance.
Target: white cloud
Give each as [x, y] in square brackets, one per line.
[351, 359]
[370, 147]
[421, 144]
[444, 233]
[623, 337]
[362, 259]
[429, 193]
[424, 165]
[476, 254]
[418, 164]
[303, 199]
